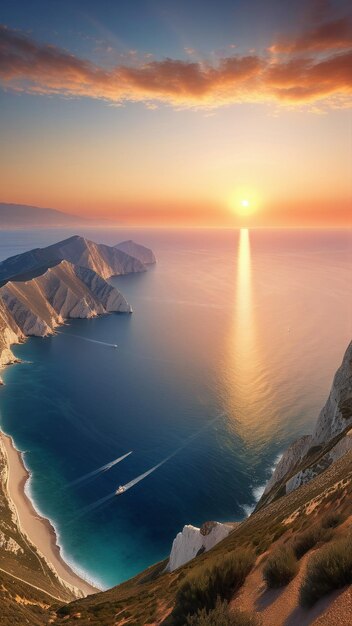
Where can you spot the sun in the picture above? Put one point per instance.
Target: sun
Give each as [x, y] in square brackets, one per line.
[243, 204]
[245, 207]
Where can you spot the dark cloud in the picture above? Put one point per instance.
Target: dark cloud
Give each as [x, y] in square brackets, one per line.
[332, 35]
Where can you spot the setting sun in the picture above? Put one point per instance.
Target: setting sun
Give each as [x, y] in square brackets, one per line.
[243, 202]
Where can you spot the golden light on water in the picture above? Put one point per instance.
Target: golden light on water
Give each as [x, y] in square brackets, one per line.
[246, 390]
[244, 310]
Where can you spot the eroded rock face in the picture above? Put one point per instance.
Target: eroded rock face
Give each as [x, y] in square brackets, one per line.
[10, 333]
[337, 412]
[41, 288]
[104, 260]
[38, 306]
[293, 455]
[193, 541]
[333, 424]
[145, 255]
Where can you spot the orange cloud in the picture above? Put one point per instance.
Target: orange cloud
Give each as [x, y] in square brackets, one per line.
[29, 66]
[302, 80]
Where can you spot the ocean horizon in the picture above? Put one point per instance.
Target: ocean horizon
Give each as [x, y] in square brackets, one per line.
[231, 349]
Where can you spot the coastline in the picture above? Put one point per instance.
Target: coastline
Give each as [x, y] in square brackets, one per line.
[37, 529]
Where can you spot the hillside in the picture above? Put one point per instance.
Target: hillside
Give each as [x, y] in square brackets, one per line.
[22, 215]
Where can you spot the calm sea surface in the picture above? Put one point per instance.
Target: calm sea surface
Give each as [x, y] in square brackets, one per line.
[248, 327]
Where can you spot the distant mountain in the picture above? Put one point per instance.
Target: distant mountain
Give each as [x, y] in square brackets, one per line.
[104, 260]
[20, 215]
[145, 255]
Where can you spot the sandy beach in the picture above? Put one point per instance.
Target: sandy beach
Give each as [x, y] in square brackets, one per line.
[38, 530]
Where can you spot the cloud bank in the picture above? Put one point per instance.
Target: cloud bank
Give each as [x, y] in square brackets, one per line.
[313, 67]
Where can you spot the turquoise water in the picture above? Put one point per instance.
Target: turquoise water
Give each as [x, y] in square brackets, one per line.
[249, 327]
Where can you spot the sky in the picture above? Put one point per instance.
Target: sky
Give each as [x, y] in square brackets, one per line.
[165, 112]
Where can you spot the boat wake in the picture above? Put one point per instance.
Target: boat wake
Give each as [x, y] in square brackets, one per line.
[132, 483]
[102, 343]
[100, 470]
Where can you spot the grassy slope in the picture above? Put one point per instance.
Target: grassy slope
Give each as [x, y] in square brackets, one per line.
[147, 598]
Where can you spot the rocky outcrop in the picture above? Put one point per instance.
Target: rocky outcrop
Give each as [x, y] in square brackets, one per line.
[104, 260]
[10, 333]
[337, 412]
[193, 541]
[39, 305]
[331, 438]
[41, 288]
[290, 459]
[143, 254]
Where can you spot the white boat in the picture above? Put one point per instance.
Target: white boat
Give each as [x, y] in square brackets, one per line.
[120, 490]
[115, 345]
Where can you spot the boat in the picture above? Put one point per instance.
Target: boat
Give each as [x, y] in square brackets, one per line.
[114, 345]
[120, 490]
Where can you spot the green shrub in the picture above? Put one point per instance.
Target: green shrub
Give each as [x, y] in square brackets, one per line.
[329, 569]
[204, 585]
[307, 540]
[221, 616]
[280, 567]
[332, 520]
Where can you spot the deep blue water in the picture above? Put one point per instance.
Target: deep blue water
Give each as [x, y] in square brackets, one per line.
[247, 328]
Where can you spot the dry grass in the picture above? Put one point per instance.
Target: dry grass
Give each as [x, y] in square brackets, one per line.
[329, 569]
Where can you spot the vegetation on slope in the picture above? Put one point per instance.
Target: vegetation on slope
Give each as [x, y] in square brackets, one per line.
[221, 614]
[329, 569]
[280, 567]
[215, 579]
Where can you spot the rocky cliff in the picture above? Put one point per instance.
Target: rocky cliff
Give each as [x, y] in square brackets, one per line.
[9, 333]
[331, 438]
[104, 260]
[193, 541]
[43, 287]
[143, 254]
[39, 305]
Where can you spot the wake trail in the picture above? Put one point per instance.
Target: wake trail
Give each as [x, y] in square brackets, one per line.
[102, 343]
[91, 507]
[99, 470]
[136, 480]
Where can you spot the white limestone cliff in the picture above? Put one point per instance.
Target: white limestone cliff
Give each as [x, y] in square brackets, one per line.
[291, 457]
[193, 541]
[331, 437]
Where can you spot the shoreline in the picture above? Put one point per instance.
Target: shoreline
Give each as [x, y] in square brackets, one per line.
[38, 530]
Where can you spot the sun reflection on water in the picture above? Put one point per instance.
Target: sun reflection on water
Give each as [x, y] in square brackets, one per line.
[247, 392]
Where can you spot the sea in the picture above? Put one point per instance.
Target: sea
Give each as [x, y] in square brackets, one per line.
[228, 356]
